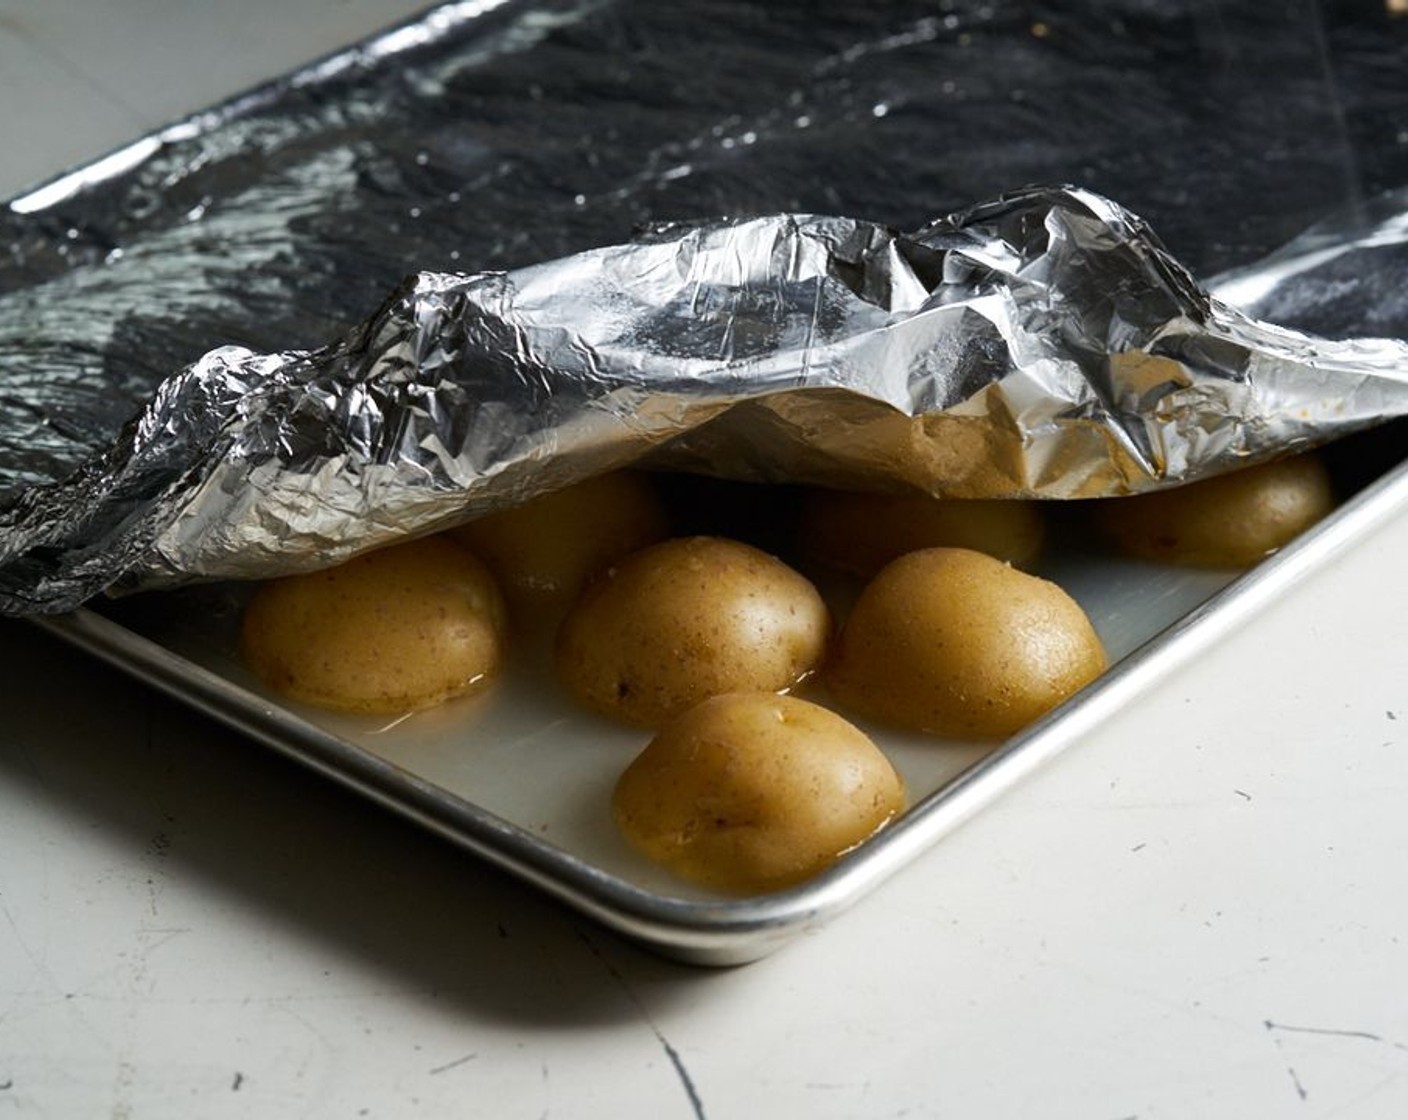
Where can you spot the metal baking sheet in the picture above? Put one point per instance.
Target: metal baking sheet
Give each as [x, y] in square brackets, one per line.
[491, 135]
[523, 780]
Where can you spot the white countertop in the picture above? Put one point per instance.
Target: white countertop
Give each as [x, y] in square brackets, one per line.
[1200, 911]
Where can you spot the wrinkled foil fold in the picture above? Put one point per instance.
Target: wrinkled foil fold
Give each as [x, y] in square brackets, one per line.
[1041, 345]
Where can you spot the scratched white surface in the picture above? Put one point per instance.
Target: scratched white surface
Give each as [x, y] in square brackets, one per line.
[1200, 912]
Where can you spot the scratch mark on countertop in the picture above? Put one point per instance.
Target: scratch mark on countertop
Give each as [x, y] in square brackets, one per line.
[452, 1065]
[685, 1079]
[123, 1080]
[1300, 1088]
[1277, 1029]
[691, 1091]
[37, 963]
[1337, 1032]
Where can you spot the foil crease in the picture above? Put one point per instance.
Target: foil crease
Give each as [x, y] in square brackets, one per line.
[1043, 344]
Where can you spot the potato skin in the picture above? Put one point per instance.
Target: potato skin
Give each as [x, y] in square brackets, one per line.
[543, 552]
[394, 630]
[1228, 521]
[753, 792]
[687, 619]
[955, 643]
[861, 533]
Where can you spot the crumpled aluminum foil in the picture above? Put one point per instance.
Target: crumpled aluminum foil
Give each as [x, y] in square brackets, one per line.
[1042, 344]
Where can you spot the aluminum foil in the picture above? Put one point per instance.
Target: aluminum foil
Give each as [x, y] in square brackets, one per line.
[1042, 344]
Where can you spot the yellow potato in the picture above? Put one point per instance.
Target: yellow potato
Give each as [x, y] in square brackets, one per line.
[952, 642]
[1228, 521]
[544, 551]
[687, 619]
[861, 533]
[752, 792]
[394, 630]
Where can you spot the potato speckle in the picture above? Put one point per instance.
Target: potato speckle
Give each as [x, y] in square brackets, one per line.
[650, 639]
[749, 792]
[1229, 521]
[394, 630]
[955, 643]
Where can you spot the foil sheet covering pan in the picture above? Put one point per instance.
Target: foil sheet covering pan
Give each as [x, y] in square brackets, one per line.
[1042, 344]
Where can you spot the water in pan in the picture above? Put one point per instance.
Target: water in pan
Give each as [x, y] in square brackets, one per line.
[526, 753]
